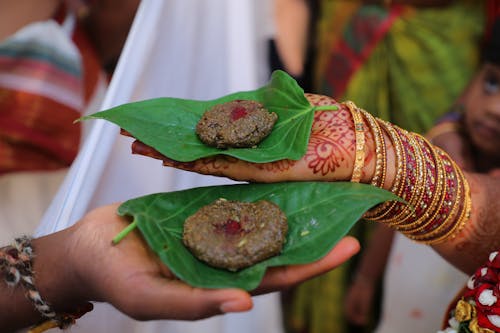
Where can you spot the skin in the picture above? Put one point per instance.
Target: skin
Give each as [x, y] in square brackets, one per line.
[361, 292]
[291, 20]
[108, 27]
[482, 118]
[330, 157]
[80, 264]
[476, 147]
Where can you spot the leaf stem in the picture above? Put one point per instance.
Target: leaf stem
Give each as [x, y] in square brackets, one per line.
[326, 107]
[124, 232]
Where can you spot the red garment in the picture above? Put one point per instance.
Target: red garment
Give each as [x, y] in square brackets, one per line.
[41, 95]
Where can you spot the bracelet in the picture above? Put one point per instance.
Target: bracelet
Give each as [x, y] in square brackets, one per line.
[16, 264]
[436, 192]
[380, 151]
[397, 187]
[359, 130]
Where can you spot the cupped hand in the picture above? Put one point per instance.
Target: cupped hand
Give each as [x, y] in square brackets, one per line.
[130, 277]
[329, 155]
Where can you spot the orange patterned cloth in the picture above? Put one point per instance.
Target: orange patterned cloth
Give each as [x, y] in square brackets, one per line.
[46, 78]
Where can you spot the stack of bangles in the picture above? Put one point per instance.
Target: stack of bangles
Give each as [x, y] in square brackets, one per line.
[16, 265]
[436, 193]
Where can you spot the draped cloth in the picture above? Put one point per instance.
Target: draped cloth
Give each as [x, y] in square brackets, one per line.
[49, 75]
[41, 94]
[403, 64]
[194, 49]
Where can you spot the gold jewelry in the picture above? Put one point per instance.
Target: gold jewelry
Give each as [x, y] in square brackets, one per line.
[446, 209]
[448, 216]
[359, 130]
[397, 187]
[457, 224]
[380, 151]
[414, 183]
[435, 187]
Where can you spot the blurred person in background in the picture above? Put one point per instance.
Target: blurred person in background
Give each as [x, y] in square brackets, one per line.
[406, 61]
[468, 133]
[56, 58]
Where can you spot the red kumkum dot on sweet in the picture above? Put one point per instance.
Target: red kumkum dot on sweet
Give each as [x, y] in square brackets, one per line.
[230, 227]
[238, 113]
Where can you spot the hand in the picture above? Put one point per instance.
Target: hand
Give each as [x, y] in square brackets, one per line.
[329, 155]
[87, 267]
[359, 300]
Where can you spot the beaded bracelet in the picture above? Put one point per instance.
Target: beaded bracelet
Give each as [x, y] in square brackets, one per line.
[16, 264]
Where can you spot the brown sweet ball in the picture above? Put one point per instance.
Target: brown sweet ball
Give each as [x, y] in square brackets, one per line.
[234, 234]
[235, 124]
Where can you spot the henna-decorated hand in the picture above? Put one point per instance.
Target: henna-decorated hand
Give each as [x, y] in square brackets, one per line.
[329, 156]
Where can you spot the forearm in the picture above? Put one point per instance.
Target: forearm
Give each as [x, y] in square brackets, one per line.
[292, 26]
[53, 278]
[481, 234]
[374, 258]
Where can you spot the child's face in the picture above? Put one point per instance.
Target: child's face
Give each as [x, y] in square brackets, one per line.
[482, 105]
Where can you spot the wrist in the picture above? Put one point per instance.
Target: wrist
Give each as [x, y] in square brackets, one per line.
[55, 275]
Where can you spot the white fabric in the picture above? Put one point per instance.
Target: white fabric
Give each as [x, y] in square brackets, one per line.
[418, 285]
[194, 49]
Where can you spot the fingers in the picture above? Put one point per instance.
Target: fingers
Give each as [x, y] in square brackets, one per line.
[282, 277]
[227, 166]
[329, 155]
[161, 298]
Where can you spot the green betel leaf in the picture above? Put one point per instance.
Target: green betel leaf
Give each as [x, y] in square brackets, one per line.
[168, 124]
[319, 215]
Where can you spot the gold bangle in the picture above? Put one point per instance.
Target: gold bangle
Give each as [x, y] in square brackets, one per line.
[451, 219]
[359, 130]
[380, 152]
[437, 183]
[417, 189]
[463, 216]
[397, 187]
